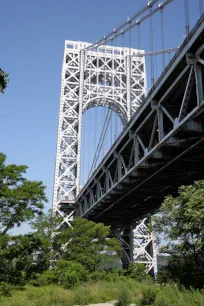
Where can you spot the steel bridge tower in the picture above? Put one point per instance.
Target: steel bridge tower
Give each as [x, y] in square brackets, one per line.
[109, 76]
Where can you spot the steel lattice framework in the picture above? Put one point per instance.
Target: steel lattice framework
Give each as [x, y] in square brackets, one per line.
[161, 148]
[106, 76]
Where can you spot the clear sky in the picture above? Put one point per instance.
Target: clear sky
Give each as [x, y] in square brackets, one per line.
[32, 45]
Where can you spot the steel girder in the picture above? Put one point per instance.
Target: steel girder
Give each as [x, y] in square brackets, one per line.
[151, 157]
[161, 148]
[138, 245]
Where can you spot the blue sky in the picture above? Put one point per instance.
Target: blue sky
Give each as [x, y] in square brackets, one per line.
[32, 45]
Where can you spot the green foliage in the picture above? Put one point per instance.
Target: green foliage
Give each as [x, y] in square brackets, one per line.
[70, 274]
[124, 298]
[148, 297]
[45, 224]
[20, 199]
[89, 244]
[181, 221]
[5, 289]
[183, 271]
[82, 296]
[3, 80]
[137, 271]
[102, 291]
[21, 257]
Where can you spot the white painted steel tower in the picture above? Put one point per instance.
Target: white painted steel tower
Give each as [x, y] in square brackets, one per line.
[105, 76]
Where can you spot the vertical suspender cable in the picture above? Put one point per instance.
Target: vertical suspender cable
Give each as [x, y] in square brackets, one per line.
[96, 122]
[151, 48]
[187, 17]
[110, 128]
[130, 67]
[169, 56]
[113, 89]
[88, 146]
[162, 35]
[84, 146]
[103, 145]
[156, 70]
[84, 158]
[201, 7]
[105, 78]
[138, 30]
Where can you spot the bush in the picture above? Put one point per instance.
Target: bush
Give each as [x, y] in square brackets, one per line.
[97, 275]
[82, 296]
[50, 276]
[183, 271]
[137, 271]
[112, 276]
[5, 289]
[124, 298]
[148, 297]
[70, 273]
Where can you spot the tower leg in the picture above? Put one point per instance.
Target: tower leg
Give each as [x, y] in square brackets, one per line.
[138, 245]
[145, 248]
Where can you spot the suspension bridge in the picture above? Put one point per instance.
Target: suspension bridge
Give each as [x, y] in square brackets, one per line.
[153, 145]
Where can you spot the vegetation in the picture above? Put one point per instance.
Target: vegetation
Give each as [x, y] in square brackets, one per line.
[102, 291]
[74, 266]
[89, 244]
[3, 80]
[52, 267]
[181, 221]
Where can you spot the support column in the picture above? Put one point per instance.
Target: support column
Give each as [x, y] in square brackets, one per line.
[138, 245]
[145, 249]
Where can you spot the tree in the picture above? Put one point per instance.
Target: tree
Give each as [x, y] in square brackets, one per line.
[22, 256]
[88, 243]
[181, 221]
[3, 80]
[20, 199]
[46, 225]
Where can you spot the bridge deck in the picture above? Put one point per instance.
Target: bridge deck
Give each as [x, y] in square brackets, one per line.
[161, 148]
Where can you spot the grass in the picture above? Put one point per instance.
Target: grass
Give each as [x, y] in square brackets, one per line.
[101, 292]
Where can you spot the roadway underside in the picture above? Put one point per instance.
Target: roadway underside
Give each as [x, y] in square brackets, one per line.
[161, 149]
[142, 195]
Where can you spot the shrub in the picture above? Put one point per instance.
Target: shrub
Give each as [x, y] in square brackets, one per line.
[82, 296]
[148, 297]
[137, 271]
[5, 289]
[183, 271]
[50, 276]
[124, 298]
[97, 275]
[70, 273]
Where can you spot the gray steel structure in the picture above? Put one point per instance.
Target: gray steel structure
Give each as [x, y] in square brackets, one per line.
[109, 76]
[161, 148]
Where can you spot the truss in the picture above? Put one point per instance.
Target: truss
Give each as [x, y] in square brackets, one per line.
[107, 76]
[112, 77]
[161, 148]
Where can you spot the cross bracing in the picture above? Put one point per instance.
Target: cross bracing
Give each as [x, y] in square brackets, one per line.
[109, 76]
[138, 171]
[161, 148]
